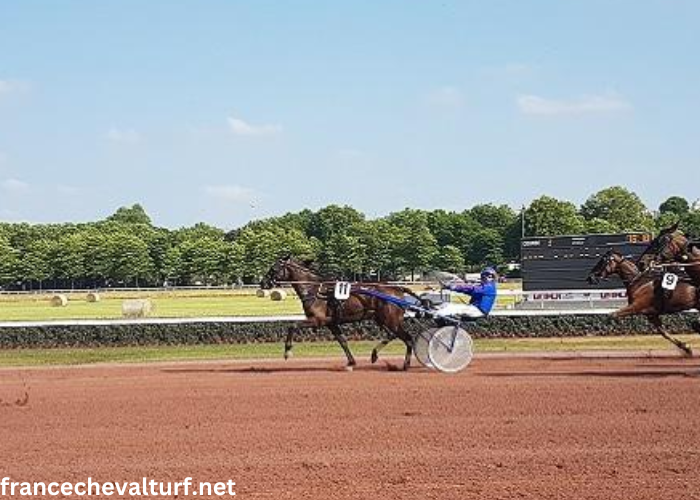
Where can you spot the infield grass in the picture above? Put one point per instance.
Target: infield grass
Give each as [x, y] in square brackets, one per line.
[30, 308]
[361, 349]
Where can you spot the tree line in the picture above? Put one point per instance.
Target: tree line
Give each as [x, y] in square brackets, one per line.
[126, 249]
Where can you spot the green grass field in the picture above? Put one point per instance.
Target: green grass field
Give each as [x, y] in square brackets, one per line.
[29, 308]
[167, 304]
[45, 357]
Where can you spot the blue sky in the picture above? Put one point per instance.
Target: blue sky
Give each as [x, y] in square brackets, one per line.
[226, 111]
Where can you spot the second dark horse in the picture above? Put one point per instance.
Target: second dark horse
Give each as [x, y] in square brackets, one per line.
[645, 295]
[321, 310]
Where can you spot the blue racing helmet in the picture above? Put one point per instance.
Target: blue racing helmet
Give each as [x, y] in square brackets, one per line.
[488, 272]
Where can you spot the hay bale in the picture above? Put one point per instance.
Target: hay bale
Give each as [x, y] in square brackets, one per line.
[278, 295]
[93, 297]
[59, 300]
[263, 294]
[137, 308]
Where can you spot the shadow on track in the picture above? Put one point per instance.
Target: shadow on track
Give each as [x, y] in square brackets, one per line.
[257, 370]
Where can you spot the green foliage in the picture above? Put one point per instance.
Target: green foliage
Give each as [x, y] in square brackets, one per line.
[8, 261]
[599, 226]
[690, 223]
[126, 249]
[134, 214]
[676, 205]
[547, 216]
[450, 259]
[623, 209]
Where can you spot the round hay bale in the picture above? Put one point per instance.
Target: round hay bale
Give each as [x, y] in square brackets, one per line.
[278, 295]
[59, 300]
[263, 294]
[93, 297]
[136, 308]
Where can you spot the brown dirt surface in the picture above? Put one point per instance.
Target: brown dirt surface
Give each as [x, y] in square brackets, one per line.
[503, 428]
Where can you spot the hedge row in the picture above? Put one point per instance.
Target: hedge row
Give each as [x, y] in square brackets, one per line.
[239, 333]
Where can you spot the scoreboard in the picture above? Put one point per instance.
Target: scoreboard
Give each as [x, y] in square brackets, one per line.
[563, 262]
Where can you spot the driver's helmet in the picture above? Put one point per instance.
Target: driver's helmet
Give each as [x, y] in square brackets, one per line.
[488, 273]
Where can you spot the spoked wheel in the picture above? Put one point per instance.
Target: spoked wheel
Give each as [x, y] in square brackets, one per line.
[421, 343]
[450, 349]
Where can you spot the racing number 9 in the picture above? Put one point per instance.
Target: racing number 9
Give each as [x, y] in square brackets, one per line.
[669, 281]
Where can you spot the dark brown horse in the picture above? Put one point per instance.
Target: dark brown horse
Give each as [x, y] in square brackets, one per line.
[645, 296]
[322, 310]
[672, 246]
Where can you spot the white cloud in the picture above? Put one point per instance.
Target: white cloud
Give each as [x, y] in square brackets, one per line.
[243, 128]
[14, 186]
[123, 136]
[231, 194]
[446, 97]
[535, 105]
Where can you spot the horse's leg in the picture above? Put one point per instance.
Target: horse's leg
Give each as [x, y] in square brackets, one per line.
[288, 341]
[391, 319]
[656, 321]
[338, 334]
[381, 345]
[629, 310]
[409, 347]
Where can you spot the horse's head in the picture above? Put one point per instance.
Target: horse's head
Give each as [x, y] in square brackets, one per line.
[669, 246]
[605, 267]
[280, 271]
[288, 269]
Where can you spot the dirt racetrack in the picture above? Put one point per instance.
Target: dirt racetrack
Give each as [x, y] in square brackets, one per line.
[504, 428]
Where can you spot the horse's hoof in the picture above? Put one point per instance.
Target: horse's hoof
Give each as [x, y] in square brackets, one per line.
[374, 357]
[349, 368]
[287, 354]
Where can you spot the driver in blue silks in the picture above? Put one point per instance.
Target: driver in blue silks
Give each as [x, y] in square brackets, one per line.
[483, 296]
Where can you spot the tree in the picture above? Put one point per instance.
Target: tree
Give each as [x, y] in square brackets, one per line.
[342, 255]
[675, 205]
[135, 214]
[333, 219]
[547, 216]
[494, 217]
[206, 260]
[8, 261]
[452, 228]
[620, 207]
[378, 239]
[599, 226]
[34, 264]
[416, 246]
[172, 266]
[449, 259]
[486, 247]
[199, 230]
[691, 223]
[129, 259]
